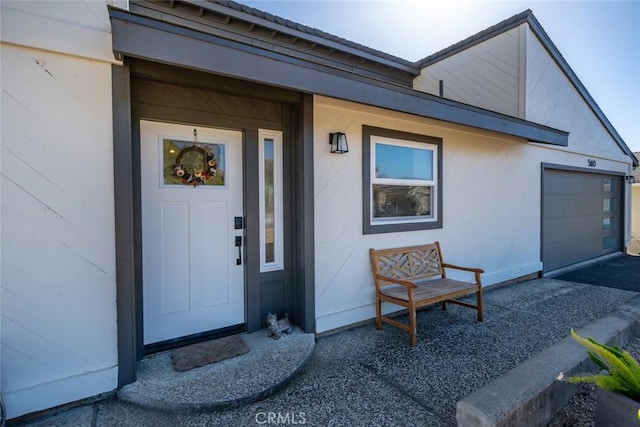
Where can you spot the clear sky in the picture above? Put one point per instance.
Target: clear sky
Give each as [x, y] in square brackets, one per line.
[599, 39]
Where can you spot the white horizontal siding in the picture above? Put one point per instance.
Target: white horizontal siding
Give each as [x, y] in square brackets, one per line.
[58, 296]
[491, 206]
[486, 75]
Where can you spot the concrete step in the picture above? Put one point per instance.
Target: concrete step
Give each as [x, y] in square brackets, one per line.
[268, 367]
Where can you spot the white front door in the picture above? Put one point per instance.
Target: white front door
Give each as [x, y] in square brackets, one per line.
[191, 190]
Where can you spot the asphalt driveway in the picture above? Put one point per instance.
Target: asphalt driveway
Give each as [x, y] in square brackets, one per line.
[621, 272]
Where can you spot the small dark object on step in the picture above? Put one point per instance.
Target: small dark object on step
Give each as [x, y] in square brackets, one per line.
[278, 327]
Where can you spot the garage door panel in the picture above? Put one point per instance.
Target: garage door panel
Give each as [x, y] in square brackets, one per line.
[579, 251]
[558, 229]
[571, 206]
[580, 216]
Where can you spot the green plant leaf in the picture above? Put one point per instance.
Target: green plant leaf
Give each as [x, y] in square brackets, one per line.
[595, 359]
[610, 357]
[624, 371]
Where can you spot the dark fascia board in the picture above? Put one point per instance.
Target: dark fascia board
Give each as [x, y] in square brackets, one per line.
[190, 17]
[293, 29]
[142, 37]
[515, 21]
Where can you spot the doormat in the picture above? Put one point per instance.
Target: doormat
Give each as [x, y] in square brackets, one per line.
[204, 353]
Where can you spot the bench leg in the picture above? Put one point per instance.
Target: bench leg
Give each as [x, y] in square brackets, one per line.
[412, 326]
[444, 305]
[479, 303]
[378, 313]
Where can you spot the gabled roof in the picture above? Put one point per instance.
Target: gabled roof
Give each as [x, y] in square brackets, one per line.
[216, 38]
[528, 18]
[478, 38]
[244, 24]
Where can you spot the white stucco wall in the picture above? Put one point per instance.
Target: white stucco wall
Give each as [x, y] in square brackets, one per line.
[491, 206]
[58, 296]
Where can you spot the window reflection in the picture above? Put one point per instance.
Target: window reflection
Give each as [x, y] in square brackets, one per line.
[401, 201]
[607, 185]
[269, 205]
[270, 200]
[397, 162]
[608, 244]
[608, 205]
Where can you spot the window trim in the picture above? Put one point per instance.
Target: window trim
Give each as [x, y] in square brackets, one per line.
[278, 250]
[370, 227]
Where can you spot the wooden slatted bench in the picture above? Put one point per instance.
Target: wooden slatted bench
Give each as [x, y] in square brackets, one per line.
[414, 277]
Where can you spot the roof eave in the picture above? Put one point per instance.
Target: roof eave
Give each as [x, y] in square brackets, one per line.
[140, 36]
[241, 12]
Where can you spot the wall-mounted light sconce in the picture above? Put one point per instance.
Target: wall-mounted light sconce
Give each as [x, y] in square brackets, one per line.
[338, 142]
[629, 178]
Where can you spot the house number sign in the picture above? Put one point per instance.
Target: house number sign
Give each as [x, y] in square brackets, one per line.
[591, 163]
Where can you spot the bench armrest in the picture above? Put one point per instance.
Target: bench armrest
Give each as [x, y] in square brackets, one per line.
[402, 282]
[457, 267]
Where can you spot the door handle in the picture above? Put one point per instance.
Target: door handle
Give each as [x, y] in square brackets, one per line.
[239, 246]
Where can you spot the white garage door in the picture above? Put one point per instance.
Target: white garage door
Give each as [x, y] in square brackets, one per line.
[581, 216]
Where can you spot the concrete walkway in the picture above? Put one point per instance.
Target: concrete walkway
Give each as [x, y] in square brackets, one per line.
[364, 377]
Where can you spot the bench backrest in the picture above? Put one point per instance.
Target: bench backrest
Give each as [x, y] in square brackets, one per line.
[416, 262]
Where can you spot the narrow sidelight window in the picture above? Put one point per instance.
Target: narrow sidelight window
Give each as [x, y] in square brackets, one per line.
[271, 223]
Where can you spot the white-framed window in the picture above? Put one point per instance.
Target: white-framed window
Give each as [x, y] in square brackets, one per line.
[402, 181]
[271, 203]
